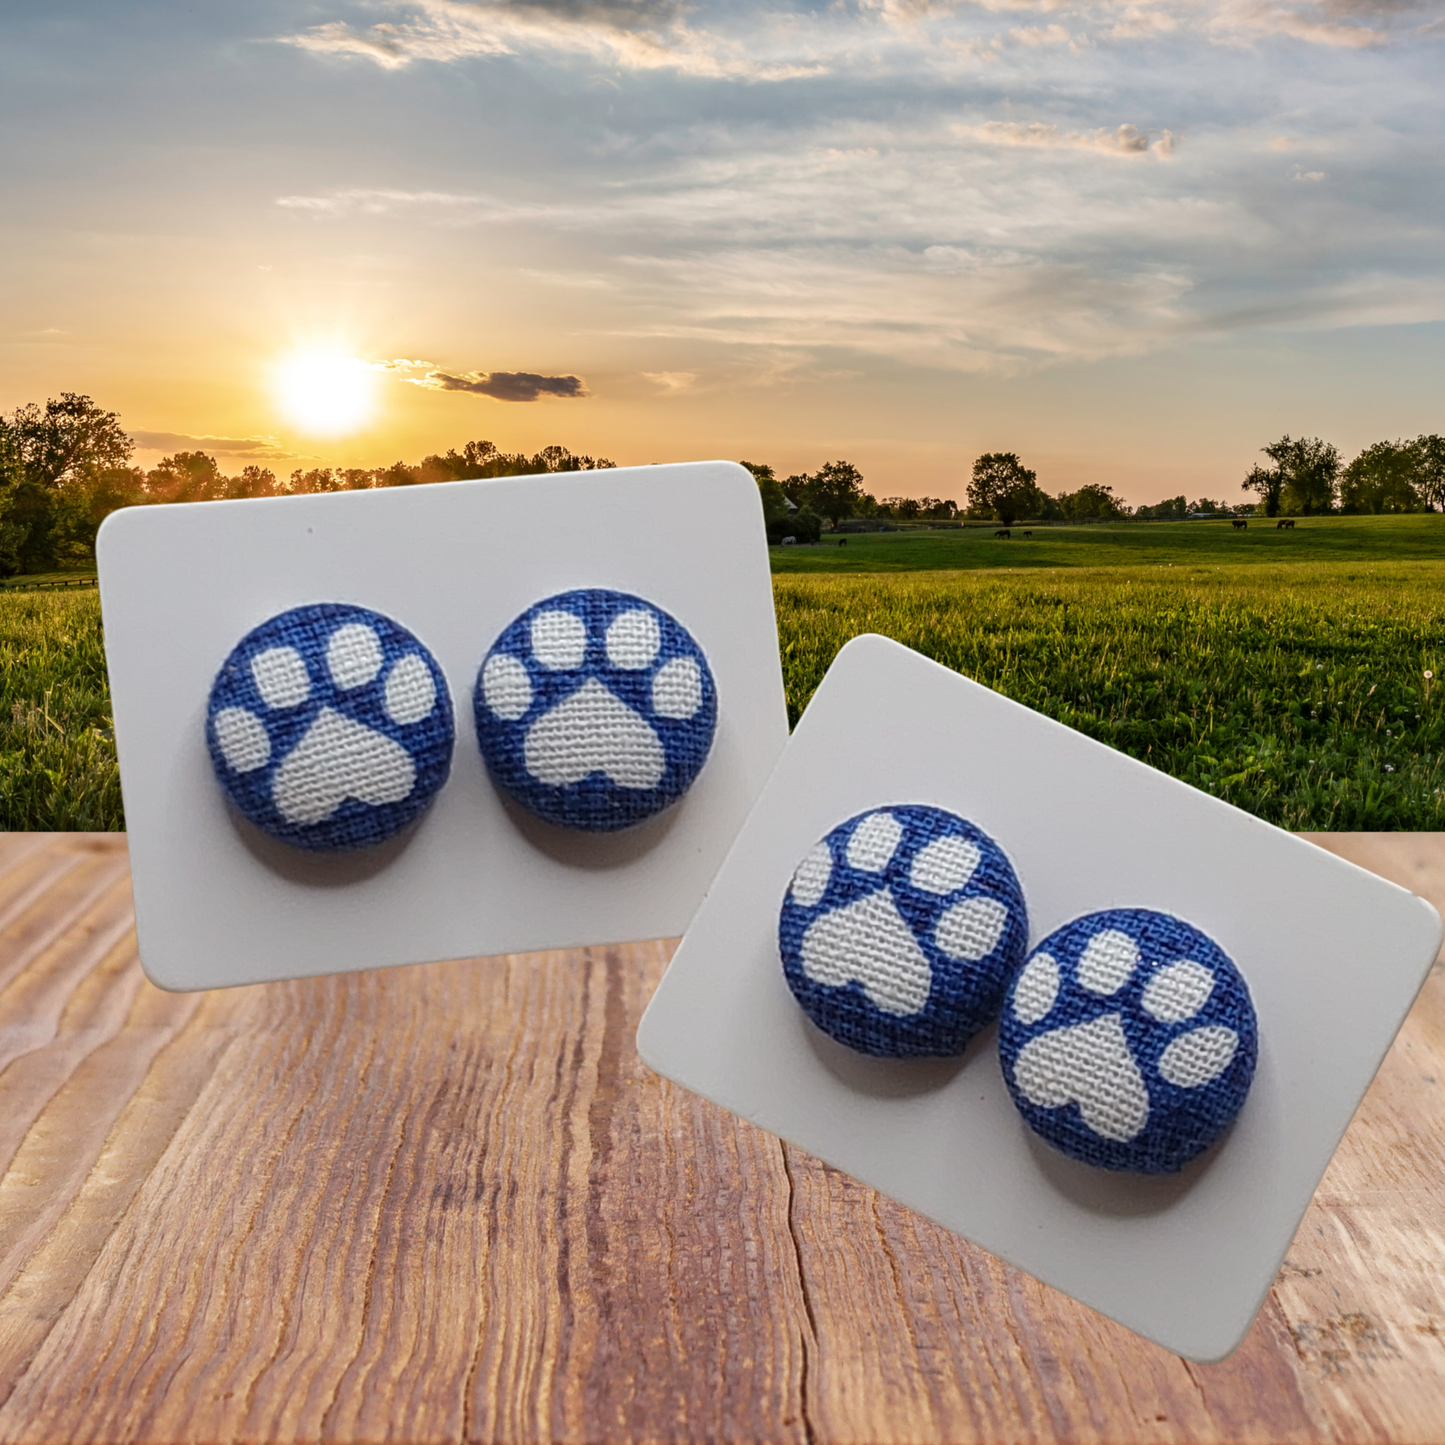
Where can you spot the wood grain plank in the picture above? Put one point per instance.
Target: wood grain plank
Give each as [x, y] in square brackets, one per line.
[1363, 1291]
[448, 1203]
[449, 1219]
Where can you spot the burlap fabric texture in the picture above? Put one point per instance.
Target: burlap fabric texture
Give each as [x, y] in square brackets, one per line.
[1129, 1040]
[595, 710]
[900, 931]
[330, 727]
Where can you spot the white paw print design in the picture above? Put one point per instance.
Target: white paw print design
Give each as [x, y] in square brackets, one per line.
[330, 727]
[1129, 1040]
[595, 709]
[901, 930]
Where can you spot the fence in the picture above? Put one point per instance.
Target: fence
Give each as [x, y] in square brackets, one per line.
[59, 586]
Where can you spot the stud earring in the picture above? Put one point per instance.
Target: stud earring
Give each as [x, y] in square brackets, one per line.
[900, 931]
[330, 727]
[595, 710]
[1128, 1040]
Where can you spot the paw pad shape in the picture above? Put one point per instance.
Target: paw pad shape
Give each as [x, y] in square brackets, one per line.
[595, 710]
[900, 931]
[1128, 1040]
[330, 727]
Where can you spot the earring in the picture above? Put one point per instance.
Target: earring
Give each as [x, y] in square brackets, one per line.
[1128, 1041]
[595, 710]
[900, 931]
[330, 727]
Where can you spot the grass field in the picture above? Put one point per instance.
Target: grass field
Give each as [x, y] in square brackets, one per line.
[1290, 684]
[57, 751]
[1297, 693]
[1127, 544]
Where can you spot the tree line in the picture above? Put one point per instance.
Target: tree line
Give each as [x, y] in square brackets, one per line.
[1306, 476]
[66, 466]
[1002, 489]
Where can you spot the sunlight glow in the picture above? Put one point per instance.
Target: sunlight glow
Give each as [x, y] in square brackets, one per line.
[326, 393]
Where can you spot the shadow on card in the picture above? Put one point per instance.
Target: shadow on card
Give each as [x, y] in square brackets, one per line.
[320, 870]
[1117, 1192]
[579, 849]
[884, 1078]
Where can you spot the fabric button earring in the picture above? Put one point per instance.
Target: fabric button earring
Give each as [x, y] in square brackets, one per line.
[595, 710]
[330, 727]
[900, 931]
[1129, 1040]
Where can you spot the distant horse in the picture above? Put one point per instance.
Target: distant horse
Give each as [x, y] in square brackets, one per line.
[1238, 523]
[1003, 532]
[1028, 534]
[1285, 522]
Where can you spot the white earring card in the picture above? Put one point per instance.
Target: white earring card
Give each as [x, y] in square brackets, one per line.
[452, 566]
[1333, 957]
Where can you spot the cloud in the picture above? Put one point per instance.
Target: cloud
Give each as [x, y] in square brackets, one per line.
[1002, 223]
[247, 448]
[746, 41]
[1127, 140]
[1037, 35]
[671, 382]
[1250, 19]
[630, 34]
[378, 201]
[505, 385]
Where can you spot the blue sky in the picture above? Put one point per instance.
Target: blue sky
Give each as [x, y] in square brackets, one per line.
[1133, 242]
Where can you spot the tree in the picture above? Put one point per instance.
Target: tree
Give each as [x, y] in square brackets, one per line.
[776, 509]
[91, 501]
[1171, 509]
[1381, 479]
[59, 451]
[1309, 469]
[68, 438]
[1267, 483]
[1004, 486]
[904, 508]
[834, 491]
[12, 534]
[185, 477]
[1430, 470]
[254, 481]
[1093, 500]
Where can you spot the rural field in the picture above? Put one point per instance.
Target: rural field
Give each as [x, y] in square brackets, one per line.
[1292, 674]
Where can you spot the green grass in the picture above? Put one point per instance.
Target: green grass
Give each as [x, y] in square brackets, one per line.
[57, 751]
[36, 579]
[1296, 693]
[1127, 544]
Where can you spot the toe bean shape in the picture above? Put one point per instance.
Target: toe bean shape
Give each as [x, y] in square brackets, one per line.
[595, 710]
[900, 931]
[330, 727]
[1128, 1040]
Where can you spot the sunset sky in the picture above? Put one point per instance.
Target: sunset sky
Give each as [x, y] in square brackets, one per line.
[1131, 241]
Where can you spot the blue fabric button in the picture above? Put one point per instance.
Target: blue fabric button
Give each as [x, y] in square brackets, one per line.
[900, 931]
[595, 710]
[1128, 1040]
[330, 727]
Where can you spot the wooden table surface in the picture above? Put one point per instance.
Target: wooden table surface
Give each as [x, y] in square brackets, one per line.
[448, 1203]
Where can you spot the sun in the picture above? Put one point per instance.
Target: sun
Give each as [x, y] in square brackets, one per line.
[326, 393]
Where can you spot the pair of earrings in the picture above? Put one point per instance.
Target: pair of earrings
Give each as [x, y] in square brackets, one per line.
[330, 726]
[1127, 1037]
